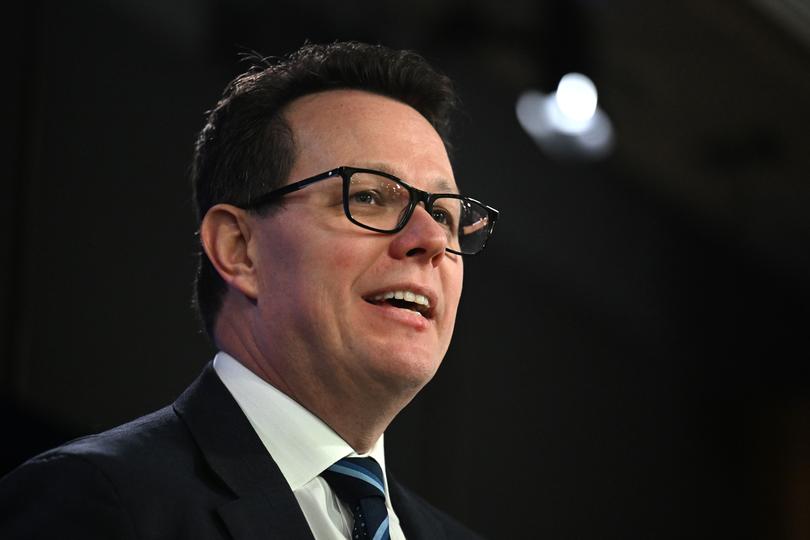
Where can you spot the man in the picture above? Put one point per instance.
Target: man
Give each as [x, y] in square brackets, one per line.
[333, 237]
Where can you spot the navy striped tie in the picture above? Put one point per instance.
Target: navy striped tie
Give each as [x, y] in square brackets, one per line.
[359, 483]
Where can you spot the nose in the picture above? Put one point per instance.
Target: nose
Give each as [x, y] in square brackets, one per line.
[422, 238]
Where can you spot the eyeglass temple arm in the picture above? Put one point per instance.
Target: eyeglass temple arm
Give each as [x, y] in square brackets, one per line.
[280, 192]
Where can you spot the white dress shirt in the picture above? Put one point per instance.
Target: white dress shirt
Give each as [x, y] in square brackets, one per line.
[302, 446]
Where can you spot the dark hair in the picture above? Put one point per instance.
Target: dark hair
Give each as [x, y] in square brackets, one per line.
[246, 148]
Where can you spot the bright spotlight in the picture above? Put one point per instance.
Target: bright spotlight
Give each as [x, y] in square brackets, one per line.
[567, 122]
[576, 97]
[530, 113]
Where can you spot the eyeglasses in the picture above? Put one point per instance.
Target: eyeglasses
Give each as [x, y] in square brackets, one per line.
[383, 203]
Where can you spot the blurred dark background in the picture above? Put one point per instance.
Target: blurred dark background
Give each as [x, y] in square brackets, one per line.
[630, 359]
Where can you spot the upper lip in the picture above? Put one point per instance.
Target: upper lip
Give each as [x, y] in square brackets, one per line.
[416, 289]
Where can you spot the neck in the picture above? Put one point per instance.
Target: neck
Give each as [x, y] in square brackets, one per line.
[359, 414]
[360, 423]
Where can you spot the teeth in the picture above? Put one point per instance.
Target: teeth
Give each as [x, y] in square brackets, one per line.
[408, 296]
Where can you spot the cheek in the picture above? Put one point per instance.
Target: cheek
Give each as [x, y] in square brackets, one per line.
[332, 274]
[343, 260]
[455, 282]
[349, 259]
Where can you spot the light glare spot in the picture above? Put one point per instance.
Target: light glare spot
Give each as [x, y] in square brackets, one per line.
[568, 122]
[529, 109]
[576, 97]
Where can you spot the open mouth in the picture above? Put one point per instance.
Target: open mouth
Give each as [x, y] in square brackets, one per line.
[404, 300]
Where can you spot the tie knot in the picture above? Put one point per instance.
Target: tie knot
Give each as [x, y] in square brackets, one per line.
[355, 478]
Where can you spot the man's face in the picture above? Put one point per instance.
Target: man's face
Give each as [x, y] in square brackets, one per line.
[319, 274]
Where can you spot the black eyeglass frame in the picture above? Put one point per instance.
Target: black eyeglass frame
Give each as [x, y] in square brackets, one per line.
[416, 196]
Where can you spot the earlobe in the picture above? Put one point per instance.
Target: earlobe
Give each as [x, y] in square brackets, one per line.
[225, 234]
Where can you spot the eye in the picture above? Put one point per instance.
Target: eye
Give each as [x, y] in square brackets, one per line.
[443, 217]
[366, 197]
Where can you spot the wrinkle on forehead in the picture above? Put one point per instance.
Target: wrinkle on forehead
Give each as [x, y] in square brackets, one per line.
[362, 129]
[437, 184]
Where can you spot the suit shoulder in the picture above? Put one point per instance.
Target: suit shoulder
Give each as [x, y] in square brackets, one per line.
[158, 431]
[148, 450]
[143, 479]
[58, 495]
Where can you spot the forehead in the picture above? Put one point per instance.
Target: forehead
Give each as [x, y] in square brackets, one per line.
[362, 129]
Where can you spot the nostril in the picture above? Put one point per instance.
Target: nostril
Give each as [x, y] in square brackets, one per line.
[415, 251]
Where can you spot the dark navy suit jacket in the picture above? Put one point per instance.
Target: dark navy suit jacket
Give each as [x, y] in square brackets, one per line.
[195, 469]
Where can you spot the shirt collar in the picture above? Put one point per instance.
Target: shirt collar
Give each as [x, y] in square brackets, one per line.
[301, 444]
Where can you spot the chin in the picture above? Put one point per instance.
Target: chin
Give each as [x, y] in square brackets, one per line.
[408, 371]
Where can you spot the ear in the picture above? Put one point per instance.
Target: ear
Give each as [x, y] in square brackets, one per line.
[225, 233]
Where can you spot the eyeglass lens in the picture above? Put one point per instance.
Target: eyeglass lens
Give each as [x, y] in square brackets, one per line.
[381, 203]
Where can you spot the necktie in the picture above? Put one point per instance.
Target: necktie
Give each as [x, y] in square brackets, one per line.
[359, 483]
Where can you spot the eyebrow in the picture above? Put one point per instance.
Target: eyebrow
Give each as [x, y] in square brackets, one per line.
[441, 185]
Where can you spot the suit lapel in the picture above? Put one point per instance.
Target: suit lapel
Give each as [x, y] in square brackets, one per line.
[417, 522]
[265, 506]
